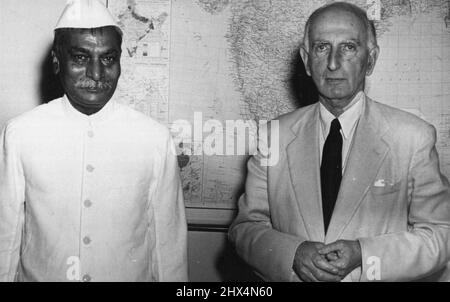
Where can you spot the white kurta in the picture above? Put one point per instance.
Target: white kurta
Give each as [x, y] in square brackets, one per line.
[90, 198]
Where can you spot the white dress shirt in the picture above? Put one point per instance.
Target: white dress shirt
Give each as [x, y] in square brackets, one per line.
[348, 120]
[90, 198]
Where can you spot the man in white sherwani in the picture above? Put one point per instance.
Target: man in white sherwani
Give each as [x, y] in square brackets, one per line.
[89, 188]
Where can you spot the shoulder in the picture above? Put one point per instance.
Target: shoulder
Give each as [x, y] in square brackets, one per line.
[36, 116]
[398, 116]
[286, 121]
[285, 126]
[141, 123]
[402, 124]
[296, 115]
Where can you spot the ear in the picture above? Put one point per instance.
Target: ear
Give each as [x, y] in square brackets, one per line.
[372, 59]
[55, 63]
[305, 58]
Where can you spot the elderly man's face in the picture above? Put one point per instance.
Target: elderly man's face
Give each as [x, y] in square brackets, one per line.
[89, 67]
[338, 58]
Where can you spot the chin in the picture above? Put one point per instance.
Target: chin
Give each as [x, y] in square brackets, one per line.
[96, 98]
[91, 102]
[337, 94]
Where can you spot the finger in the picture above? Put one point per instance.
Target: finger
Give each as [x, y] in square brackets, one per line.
[323, 276]
[329, 248]
[319, 245]
[306, 275]
[333, 256]
[321, 263]
[341, 265]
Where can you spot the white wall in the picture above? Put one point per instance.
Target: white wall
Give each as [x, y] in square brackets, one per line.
[26, 32]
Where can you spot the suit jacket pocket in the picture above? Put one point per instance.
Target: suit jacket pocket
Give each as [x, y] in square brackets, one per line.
[384, 187]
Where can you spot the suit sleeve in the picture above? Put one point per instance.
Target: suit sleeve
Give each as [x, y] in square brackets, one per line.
[270, 252]
[425, 247]
[11, 206]
[169, 218]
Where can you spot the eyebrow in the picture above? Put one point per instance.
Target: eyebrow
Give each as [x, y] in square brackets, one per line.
[358, 42]
[111, 52]
[86, 51]
[78, 49]
[353, 41]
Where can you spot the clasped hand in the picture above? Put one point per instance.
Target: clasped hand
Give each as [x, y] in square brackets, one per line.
[315, 261]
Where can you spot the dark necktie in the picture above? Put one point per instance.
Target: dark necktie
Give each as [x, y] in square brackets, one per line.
[331, 170]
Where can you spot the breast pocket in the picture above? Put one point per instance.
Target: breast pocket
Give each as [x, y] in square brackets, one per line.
[384, 187]
[384, 199]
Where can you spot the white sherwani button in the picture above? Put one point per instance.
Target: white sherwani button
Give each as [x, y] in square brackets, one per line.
[86, 240]
[86, 278]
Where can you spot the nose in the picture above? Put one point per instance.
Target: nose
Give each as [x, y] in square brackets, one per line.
[95, 70]
[334, 60]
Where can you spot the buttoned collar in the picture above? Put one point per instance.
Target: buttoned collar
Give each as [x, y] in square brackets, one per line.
[97, 117]
[347, 119]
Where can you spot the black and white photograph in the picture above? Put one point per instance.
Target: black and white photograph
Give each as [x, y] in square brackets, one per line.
[224, 141]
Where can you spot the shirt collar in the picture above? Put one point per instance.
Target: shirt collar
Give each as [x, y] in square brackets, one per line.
[347, 119]
[99, 116]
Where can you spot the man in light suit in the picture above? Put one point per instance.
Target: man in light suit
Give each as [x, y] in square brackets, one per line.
[357, 193]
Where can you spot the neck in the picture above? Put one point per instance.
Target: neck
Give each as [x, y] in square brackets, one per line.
[86, 110]
[332, 107]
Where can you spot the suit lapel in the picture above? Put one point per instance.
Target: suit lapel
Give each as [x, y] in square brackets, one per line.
[303, 161]
[366, 155]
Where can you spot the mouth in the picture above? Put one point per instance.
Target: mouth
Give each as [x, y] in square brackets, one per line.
[94, 90]
[335, 80]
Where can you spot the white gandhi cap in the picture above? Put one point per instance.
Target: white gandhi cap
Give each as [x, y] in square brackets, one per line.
[86, 14]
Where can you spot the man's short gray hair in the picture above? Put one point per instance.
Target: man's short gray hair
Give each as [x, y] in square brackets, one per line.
[357, 11]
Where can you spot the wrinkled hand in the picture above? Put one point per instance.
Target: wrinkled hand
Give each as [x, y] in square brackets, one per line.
[345, 255]
[311, 266]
